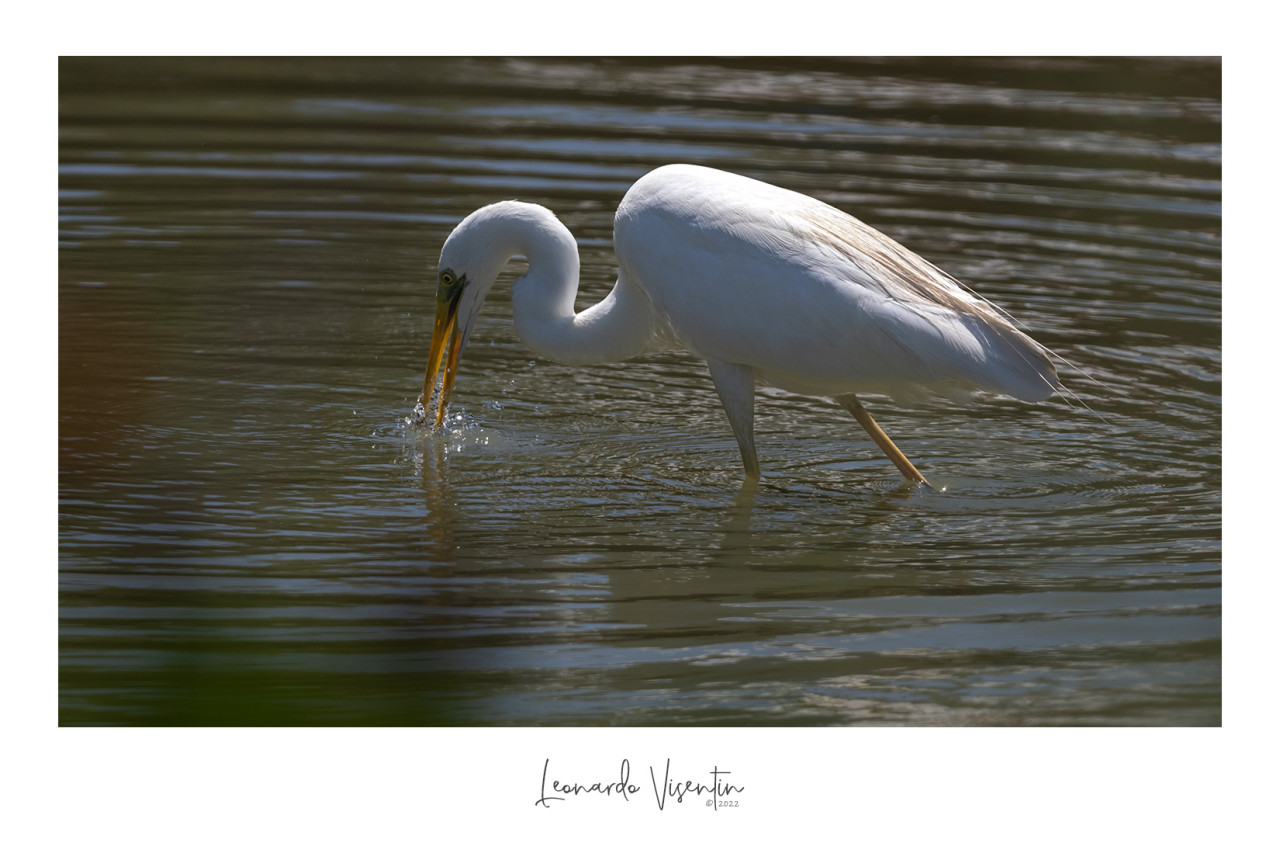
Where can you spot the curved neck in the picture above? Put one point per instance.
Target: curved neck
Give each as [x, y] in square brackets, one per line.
[620, 326]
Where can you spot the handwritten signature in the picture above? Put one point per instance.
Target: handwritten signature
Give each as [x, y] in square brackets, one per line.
[720, 790]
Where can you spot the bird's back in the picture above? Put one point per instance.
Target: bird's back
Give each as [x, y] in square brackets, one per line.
[812, 298]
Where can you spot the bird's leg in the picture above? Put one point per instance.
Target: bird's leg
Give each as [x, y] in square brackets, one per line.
[850, 402]
[736, 385]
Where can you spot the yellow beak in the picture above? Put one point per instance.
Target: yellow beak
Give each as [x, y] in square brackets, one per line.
[445, 331]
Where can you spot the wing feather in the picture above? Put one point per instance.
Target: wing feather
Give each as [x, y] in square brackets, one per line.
[812, 298]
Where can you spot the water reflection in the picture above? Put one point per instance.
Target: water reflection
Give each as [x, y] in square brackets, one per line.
[439, 501]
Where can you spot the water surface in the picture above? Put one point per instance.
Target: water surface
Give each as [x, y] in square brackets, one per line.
[251, 533]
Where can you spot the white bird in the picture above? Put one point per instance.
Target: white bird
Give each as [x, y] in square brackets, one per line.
[767, 285]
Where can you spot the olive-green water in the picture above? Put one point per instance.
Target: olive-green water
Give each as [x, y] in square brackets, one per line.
[250, 532]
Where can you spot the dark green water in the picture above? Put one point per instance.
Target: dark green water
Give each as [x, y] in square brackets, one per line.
[250, 533]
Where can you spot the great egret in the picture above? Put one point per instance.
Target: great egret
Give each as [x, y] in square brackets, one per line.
[766, 284]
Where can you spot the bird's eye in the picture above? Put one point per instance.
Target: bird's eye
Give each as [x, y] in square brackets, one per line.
[446, 279]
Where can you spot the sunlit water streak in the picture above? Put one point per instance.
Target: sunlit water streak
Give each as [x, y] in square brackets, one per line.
[252, 530]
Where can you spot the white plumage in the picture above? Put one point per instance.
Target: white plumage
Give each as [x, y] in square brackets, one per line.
[765, 284]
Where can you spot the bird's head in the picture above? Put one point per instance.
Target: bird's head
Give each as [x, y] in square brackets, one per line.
[473, 256]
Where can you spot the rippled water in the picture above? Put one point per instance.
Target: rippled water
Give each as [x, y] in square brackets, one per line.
[251, 533]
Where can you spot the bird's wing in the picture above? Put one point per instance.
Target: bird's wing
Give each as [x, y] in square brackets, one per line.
[812, 298]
